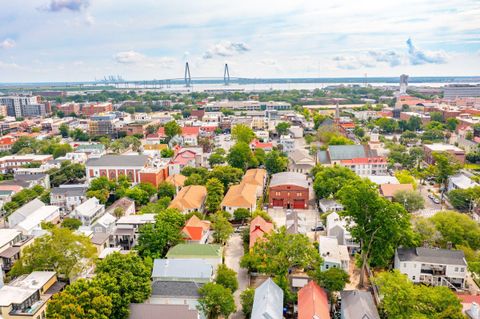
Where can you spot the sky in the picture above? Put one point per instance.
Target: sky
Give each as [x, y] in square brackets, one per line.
[84, 40]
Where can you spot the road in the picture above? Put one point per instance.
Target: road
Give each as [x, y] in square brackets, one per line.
[223, 143]
[233, 254]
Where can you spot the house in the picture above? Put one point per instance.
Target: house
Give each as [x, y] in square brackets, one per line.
[32, 178]
[67, 197]
[104, 224]
[430, 149]
[287, 143]
[289, 190]
[23, 212]
[329, 205]
[27, 296]
[313, 302]
[364, 166]
[88, 211]
[113, 166]
[266, 146]
[389, 190]
[383, 179]
[333, 254]
[300, 161]
[127, 228]
[210, 253]
[338, 227]
[258, 228]
[125, 205]
[176, 281]
[13, 162]
[154, 311]
[32, 224]
[183, 158]
[470, 305]
[460, 181]
[436, 267]
[196, 230]
[240, 196]
[295, 222]
[101, 241]
[12, 242]
[178, 180]
[257, 177]
[190, 199]
[357, 304]
[268, 301]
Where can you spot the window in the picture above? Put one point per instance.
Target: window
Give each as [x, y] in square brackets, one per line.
[404, 265]
[456, 269]
[326, 266]
[413, 277]
[462, 269]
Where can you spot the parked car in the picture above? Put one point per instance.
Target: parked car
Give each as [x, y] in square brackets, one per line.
[318, 228]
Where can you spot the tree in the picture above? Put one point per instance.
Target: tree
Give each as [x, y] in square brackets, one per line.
[166, 189]
[425, 230]
[64, 130]
[452, 124]
[194, 179]
[156, 239]
[227, 175]
[246, 299]
[167, 153]
[241, 214]
[215, 301]
[61, 149]
[403, 300]
[81, 299]
[171, 129]
[404, 177]
[282, 128]
[376, 223]
[464, 199]
[131, 281]
[227, 277]
[436, 116]
[71, 223]
[456, 228]
[118, 212]
[60, 250]
[333, 279]
[339, 140]
[242, 133]
[222, 229]
[329, 180]
[445, 166]
[139, 195]
[260, 155]
[241, 156]
[275, 162]
[262, 214]
[410, 200]
[386, 125]
[214, 194]
[216, 158]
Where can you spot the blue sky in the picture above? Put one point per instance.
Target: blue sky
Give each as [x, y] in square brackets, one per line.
[80, 40]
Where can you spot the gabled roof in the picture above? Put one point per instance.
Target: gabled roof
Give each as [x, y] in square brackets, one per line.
[189, 197]
[178, 180]
[258, 228]
[194, 228]
[389, 190]
[358, 304]
[183, 157]
[29, 208]
[190, 130]
[243, 195]
[255, 176]
[88, 208]
[182, 269]
[432, 255]
[268, 301]
[313, 302]
[343, 152]
[195, 251]
[118, 161]
[301, 156]
[289, 178]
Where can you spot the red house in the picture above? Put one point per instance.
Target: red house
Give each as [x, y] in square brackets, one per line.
[258, 228]
[313, 302]
[289, 190]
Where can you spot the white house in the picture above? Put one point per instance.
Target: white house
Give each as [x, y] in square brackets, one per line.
[288, 143]
[32, 224]
[337, 227]
[23, 212]
[460, 181]
[88, 211]
[67, 197]
[333, 254]
[436, 267]
[329, 205]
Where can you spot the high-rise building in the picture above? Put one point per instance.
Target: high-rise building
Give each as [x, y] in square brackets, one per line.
[34, 110]
[3, 110]
[403, 84]
[457, 90]
[16, 104]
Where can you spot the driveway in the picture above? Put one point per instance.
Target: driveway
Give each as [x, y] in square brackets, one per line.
[233, 254]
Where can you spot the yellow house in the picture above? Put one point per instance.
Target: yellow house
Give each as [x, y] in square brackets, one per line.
[27, 296]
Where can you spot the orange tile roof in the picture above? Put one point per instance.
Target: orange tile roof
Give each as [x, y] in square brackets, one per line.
[178, 180]
[258, 228]
[190, 130]
[189, 197]
[388, 190]
[255, 176]
[194, 228]
[313, 302]
[243, 195]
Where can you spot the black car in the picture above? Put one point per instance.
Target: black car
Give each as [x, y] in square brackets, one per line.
[318, 228]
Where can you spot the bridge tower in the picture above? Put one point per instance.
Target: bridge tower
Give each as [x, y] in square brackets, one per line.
[188, 77]
[226, 75]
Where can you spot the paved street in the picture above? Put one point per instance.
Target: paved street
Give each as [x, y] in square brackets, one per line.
[233, 254]
[223, 143]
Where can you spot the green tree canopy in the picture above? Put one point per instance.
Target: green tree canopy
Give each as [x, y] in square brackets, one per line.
[410, 200]
[166, 189]
[222, 229]
[329, 180]
[282, 128]
[215, 301]
[275, 162]
[242, 133]
[241, 156]
[214, 194]
[171, 129]
[227, 277]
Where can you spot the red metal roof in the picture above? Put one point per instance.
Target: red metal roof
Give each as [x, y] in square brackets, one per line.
[313, 302]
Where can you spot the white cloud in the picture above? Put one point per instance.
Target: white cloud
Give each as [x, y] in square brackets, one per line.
[418, 57]
[390, 57]
[129, 57]
[69, 5]
[140, 60]
[7, 44]
[226, 49]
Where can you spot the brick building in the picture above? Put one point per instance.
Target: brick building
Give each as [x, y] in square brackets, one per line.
[289, 190]
[430, 149]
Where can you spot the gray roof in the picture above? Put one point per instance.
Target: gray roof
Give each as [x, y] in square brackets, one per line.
[289, 178]
[358, 304]
[70, 191]
[154, 311]
[268, 301]
[342, 152]
[29, 177]
[322, 157]
[187, 289]
[99, 238]
[430, 255]
[27, 209]
[119, 160]
[183, 269]
[300, 154]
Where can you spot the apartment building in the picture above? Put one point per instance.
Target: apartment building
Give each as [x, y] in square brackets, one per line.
[67, 197]
[13, 162]
[15, 104]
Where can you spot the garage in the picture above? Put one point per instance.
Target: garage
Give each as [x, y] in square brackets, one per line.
[278, 202]
[299, 204]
